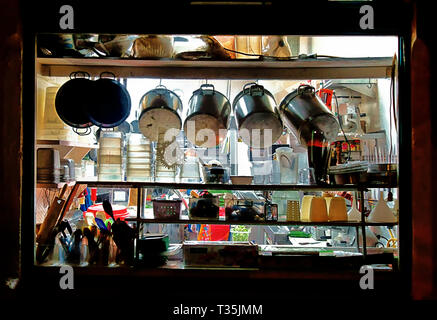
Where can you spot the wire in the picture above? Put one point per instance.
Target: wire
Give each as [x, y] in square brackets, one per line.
[300, 56]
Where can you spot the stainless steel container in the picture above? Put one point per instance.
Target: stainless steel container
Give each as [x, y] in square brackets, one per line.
[313, 124]
[303, 112]
[160, 111]
[207, 109]
[256, 111]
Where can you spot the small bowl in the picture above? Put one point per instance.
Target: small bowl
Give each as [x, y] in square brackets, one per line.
[241, 179]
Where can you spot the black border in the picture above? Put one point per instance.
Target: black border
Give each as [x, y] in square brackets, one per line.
[304, 18]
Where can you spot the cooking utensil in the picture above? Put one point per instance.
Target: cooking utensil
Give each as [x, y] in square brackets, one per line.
[313, 124]
[160, 111]
[101, 224]
[123, 235]
[45, 237]
[207, 109]
[74, 100]
[303, 112]
[354, 214]
[381, 212]
[257, 116]
[112, 103]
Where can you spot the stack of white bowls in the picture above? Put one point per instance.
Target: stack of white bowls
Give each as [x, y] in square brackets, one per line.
[139, 158]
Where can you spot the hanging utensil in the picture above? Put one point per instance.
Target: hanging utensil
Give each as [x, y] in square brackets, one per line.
[257, 116]
[73, 100]
[160, 111]
[112, 102]
[208, 109]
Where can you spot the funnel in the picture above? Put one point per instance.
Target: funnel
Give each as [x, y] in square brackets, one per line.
[381, 212]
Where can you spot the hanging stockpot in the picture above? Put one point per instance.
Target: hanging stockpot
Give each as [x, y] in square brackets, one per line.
[73, 101]
[160, 111]
[207, 117]
[313, 124]
[257, 116]
[111, 102]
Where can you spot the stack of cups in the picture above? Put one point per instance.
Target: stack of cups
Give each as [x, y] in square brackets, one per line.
[139, 158]
[110, 157]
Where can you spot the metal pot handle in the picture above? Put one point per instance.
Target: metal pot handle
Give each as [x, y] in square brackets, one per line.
[74, 74]
[85, 133]
[305, 88]
[107, 72]
[206, 85]
[161, 86]
[255, 89]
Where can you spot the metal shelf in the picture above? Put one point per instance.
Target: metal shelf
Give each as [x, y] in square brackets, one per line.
[261, 223]
[215, 186]
[322, 68]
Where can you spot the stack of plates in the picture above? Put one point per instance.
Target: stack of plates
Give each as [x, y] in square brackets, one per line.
[139, 158]
[48, 165]
[110, 157]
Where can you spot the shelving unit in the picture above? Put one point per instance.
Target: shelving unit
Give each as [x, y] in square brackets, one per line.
[262, 223]
[324, 68]
[284, 187]
[217, 186]
[55, 185]
[67, 149]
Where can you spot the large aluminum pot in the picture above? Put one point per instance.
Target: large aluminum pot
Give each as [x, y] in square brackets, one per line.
[160, 111]
[207, 109]
[303, 112]
[313, 124]
[256, 111]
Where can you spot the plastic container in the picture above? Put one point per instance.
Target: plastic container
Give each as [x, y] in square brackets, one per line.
[281, 198]
[306, 206]
[139, 158]
[337, 210]
[118, 211]
[110, 157]
[204, 208]
[318, 210]
[166, 209]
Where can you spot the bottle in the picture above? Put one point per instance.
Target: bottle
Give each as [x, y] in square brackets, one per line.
[318, 155]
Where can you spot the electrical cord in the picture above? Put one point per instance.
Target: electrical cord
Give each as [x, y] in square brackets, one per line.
[298, 57]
